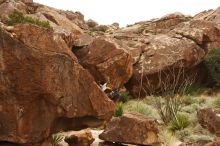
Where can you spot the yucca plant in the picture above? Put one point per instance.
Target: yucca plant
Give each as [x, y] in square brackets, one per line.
[56, 139]
[119, 110]
[179, 123]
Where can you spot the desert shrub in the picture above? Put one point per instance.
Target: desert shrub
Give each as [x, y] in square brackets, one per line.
[212, 62]
[191, 108]
[17, 17]
[137, 106]
[191, 89]
[216, 102]
[168, 107]
[142, 109]
[167, 137]
[119, 110]
[56, 139]
[174, 83]
[103, 28]
[187, 100]
[179, 122]
[124, 97]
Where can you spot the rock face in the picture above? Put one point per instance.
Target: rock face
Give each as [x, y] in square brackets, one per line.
[80, 138]
[66, 23]
[7, 7]
[131, 129]
[214, 143]
[164, 55]
[43, 88]
[106, 61]
[210, 15]
[210, 118]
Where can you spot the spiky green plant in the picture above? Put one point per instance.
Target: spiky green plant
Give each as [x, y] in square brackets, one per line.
[119, 110]
[56, 139]
[178, 123]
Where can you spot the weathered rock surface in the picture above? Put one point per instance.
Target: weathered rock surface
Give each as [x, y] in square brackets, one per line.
[140, 30]
[210, 118]
[131, 128]
[43, 88]
[66, 23]
[107, 61]
[80, 138]
[7, 7]
[210, 15]
[164, 55]
[214, 143]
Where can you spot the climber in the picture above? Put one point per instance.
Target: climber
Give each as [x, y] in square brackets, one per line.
[104, 87]
[113, 95]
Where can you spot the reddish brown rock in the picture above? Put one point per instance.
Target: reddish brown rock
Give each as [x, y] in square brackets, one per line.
[205, 34]
[164, 55]
[80, 138]
[106, 61]
[7, 7]
[210, 118]
[43, 88]
[62, 22]
[131, 128]
[143, 29]
[77, 18]
[27, 1]
[214, 143]
[210, 15]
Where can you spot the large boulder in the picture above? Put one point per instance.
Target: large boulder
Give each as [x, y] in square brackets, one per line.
[210, 15]
[107, 61]
[143, 29]
[66, 23]
[7, 7]
[43, 88]
[131, 128]
[210, 118]
[166, 58]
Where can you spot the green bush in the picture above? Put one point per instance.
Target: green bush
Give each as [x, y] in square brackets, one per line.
[119, 110]
[212, 62]
[124, 97]
[179, 123]
[216, 102]
[191, 89]
[143, 109]
[17, 17]
[139, 107]
[103, 28]
[187, 100]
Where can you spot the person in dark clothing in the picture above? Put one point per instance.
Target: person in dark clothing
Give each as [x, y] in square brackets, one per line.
[115, 96]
